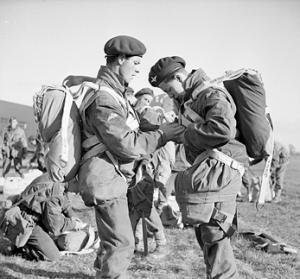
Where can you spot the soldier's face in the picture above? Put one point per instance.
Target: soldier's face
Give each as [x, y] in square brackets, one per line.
[145, 99]
[129, 68]
[173, 87]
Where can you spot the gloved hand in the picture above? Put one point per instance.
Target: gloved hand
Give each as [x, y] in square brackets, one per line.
[173, 131]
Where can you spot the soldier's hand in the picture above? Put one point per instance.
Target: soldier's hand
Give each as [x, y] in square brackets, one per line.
[173, 131]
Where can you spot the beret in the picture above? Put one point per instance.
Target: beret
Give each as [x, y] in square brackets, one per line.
[124, 45]
[144, 91]
[164, 67]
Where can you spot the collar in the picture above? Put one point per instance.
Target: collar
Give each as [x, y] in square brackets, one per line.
[111, 79]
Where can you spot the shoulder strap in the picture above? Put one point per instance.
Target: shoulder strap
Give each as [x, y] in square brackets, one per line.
[114, 94]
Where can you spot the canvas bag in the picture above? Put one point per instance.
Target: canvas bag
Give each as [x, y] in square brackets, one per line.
[58, 121]
[245, 88]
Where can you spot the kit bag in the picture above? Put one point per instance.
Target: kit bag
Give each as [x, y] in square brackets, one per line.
[59, 124]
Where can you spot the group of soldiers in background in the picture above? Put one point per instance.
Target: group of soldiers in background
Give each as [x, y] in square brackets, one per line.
[156, 151]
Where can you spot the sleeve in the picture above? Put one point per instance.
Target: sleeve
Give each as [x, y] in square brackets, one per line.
[54, 218]
[108, 120]
[164, 158]
[217, 127]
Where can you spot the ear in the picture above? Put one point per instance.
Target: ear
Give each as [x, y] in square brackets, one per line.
[121, 59]
[179, 77]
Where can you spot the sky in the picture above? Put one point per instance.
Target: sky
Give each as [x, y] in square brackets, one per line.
[43, 41]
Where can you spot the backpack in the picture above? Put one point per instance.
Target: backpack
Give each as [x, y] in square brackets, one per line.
[59, 125]
[245, 88]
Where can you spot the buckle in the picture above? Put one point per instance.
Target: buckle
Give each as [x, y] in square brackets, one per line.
[234, 164]
[219, 216]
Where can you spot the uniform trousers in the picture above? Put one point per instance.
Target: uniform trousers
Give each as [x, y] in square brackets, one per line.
[117, 241]
[217, 251]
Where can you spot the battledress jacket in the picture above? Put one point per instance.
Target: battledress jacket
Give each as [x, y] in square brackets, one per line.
[106, 118]
[210, 178]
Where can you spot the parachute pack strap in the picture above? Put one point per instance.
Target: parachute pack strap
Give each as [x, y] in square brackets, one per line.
[205, 198]
[64, 125]
[115, 163]
[190, 115]
[266, 173]
[84, 87]
[222, 216]
[115, 95]
[90, 141]
[220, 156]
[66, 115]
[96, 150]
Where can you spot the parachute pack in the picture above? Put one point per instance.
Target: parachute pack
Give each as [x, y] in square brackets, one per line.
[59, 124]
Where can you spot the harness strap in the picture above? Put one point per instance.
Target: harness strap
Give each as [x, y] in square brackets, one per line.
[204, 198]
[220, 156]
[98, 147]
[222, 216]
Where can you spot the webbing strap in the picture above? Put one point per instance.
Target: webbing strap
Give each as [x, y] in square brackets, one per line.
[222, 216]
[115, 163]
[220, 156]
[64, 126]
[131, 120]
[96, 150]
[90, 141]
[114, 94]
[99, 147]
[204, 198]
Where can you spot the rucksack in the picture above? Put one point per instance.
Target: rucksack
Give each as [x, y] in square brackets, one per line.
[59, 125]
[254, 123]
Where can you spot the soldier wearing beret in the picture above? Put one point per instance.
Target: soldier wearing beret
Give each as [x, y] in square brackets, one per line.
[111, 143]
[215, 155]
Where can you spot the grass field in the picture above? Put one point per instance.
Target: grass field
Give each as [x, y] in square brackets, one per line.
[185, 258]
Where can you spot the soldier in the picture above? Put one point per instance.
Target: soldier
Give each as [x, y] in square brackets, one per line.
[144, 98]
[278, 168]
[212, 127]
[15, 143]
[112, 142]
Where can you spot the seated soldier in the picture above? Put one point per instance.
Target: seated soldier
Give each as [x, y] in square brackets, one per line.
[46, 207]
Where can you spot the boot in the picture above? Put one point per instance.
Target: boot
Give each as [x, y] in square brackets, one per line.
[277, 197]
